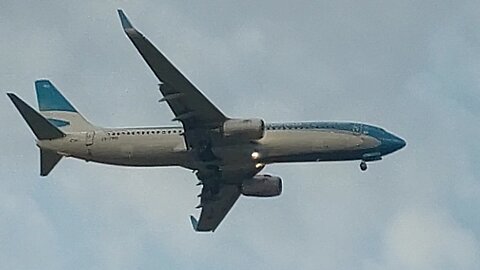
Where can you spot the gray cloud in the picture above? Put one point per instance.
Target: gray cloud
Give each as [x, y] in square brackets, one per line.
[426, 239]
[408, 66]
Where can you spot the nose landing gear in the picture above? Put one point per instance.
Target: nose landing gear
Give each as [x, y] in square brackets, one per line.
[375, 156]
[363, 166]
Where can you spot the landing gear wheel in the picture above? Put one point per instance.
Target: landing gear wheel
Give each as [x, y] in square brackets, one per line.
[363, 166]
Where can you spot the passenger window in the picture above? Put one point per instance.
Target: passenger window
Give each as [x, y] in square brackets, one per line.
[163, 131]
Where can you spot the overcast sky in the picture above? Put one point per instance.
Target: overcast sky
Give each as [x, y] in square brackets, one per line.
[411, 67]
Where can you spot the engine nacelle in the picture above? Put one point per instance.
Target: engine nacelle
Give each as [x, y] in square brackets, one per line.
[262, 186]
[246, 129]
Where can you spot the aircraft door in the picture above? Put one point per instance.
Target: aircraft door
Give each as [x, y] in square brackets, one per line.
[89, 137]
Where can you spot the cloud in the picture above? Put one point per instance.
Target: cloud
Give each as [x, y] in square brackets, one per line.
[407, 66]
[428, 239]
[28, 239]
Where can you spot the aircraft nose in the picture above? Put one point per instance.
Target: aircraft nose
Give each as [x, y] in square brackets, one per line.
[397, 142]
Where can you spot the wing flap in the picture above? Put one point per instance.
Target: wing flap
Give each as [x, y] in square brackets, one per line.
[215, 208]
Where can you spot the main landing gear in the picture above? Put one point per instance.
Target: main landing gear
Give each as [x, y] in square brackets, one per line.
[363, 166]
[210, 179]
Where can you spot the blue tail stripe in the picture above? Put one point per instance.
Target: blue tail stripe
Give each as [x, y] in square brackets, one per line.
[50, 99]
[58, 122]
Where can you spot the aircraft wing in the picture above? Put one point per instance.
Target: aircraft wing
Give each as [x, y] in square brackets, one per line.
[215, 208]
[198, 116]
[188, 104]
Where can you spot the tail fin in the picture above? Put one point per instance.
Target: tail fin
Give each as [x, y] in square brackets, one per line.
[40, 126]
[56, 108]
[48, 160]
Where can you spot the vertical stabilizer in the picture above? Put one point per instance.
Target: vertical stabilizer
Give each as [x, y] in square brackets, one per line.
[58, 110]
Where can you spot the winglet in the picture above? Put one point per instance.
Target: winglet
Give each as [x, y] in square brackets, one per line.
[194, 223]
[124, 20]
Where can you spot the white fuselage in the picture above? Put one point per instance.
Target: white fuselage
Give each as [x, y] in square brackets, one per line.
[167, 147]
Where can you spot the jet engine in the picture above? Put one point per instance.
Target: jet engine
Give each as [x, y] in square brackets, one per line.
[262, 186]
[245, 129]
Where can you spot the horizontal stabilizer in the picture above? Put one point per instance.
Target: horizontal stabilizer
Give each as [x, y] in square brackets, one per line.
[40, 126]
[48, 160]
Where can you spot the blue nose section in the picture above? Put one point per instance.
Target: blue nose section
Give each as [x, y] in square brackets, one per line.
[395, 143]
[399, 143]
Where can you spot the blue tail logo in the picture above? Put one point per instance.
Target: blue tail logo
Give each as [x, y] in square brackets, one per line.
[50, 99]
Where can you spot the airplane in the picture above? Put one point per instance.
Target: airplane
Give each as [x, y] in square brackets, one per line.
[226, 154]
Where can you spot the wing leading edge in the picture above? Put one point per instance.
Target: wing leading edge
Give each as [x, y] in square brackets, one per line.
[188, 104]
